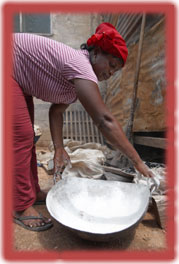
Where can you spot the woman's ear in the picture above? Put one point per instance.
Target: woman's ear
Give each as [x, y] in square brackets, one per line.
[97, 50]
[94, 54]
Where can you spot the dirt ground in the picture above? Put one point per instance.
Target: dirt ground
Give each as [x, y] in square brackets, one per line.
[148, 236]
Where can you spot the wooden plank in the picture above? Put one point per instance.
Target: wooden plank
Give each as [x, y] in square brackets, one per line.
[116, 177]
[80, 126]
[83, 125]
[92, 130]
[90, 124]
[150, 141]
[87, 126]
[64, 125]
[118, 171]
[71, 125]
[75, 126]
[96, 134]
[101, 137]
[67, 130]
[79, 123]
[159, 203]
[136, 80]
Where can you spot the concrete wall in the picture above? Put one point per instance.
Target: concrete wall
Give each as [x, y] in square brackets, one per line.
[73, 30]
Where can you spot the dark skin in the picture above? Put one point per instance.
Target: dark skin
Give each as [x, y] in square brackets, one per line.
[104, 66]
[56, 125]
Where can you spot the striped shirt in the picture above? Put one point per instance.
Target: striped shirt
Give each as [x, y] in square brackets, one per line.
[44, 67]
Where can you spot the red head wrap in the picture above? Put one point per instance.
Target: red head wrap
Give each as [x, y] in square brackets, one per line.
[109, 40]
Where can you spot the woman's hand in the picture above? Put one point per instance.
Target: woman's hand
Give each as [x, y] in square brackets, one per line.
[61, 159]
[144, 169]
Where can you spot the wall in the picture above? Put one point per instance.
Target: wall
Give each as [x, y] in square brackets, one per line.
[73, 30]
[150, 112]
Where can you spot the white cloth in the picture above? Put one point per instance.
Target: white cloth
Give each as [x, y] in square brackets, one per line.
[85, 163]
[86, 159]
[157, 184]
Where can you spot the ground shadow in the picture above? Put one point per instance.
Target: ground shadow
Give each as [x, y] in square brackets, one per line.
[150, 223]
[61, 238]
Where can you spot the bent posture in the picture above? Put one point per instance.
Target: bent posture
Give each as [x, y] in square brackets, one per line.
[56, 73]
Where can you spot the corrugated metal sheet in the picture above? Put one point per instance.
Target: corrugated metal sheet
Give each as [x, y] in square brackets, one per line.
[150, 112]
[129, 24]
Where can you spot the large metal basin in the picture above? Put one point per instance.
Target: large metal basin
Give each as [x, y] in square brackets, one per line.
[97, 209]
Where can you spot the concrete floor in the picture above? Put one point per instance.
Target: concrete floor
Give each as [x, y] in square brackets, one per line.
[148, 236]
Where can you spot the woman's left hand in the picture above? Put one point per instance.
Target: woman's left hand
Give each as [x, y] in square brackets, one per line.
[61, 160]
[144, 169]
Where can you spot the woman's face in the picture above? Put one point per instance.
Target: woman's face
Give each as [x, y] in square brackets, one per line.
[105, 65]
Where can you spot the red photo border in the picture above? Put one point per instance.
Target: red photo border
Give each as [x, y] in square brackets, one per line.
[8, 10]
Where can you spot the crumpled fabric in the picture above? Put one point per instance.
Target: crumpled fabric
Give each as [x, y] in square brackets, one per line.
[86, 163]
[71, 145]
[44, 156]
[86, 159]
[157, 184]
[37, 130]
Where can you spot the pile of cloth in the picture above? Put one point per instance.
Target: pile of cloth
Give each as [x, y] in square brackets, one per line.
[87, 160]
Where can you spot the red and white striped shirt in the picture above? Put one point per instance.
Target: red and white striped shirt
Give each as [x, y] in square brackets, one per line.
[44, 67]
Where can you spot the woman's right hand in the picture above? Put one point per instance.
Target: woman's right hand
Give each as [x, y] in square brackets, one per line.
[144, 169]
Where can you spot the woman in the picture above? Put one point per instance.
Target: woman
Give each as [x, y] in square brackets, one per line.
[56, 73]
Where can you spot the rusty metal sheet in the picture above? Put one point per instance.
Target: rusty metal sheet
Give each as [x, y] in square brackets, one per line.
[150, 112]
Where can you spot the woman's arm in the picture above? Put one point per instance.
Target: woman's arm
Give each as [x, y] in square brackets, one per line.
[56, 128]
[89, 95]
